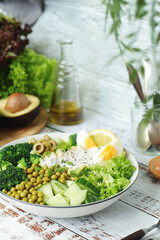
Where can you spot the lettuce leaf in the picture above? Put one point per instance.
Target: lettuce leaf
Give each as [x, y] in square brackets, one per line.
[110, 178]
[30, 73]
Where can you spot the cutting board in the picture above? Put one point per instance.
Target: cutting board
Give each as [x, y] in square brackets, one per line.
[9, 133]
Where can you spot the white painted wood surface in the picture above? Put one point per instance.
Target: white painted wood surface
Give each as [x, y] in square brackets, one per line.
[105, 86]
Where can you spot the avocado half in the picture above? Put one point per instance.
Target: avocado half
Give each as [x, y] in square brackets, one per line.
[22, 117]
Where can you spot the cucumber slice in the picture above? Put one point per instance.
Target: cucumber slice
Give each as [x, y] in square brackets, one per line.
[78, 197]
[75, 194]
[57, 200]
[73, 188]
[58, 187]
[91, 198]
[69, 183]
[47, 191]
[84, 184]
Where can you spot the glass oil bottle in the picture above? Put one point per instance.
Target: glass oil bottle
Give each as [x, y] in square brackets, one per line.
[66, 107]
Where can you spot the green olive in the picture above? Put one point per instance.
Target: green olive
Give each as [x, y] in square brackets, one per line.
[40, 194]
[41, 203]
[53, 144]
[36, 187]
[4, 191]
[39, 147]
[39, 185]
[17, 196]
[25, 199]
[66, 169]
[32, 140]
[46, 137]
[54, 177]
[9, 193]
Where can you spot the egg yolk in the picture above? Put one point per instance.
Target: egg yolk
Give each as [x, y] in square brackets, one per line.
[108, 152]
[89, 143]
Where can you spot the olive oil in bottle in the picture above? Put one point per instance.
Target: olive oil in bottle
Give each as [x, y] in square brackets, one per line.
[66, 113]
[66, 108]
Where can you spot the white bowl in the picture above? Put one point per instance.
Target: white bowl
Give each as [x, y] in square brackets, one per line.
[69, 211]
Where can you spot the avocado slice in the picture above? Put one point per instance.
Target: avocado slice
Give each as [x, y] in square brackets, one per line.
[21, 117]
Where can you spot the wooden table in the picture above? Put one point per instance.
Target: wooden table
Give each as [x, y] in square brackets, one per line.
[140, 206]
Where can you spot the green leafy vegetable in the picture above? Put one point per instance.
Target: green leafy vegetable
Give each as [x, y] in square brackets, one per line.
[110, 178]
[11, 177]
[30, 73]
[14, 154]
[4, 165]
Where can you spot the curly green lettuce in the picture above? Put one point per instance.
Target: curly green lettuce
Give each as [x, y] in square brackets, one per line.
[110, 178]
[30, 73]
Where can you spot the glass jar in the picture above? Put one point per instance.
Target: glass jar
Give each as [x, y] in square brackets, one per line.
[145, 127]
[66, 107]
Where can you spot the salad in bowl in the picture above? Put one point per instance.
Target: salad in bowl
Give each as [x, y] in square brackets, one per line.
[63, 171]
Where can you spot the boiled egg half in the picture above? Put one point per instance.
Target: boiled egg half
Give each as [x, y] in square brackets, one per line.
[84, 140]
[113, 149]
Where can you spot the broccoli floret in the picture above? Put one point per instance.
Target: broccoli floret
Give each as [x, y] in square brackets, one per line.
[4, 165]
[23, 164]
[35, 158]
[11, 177]
[27, 162]
[15, 153]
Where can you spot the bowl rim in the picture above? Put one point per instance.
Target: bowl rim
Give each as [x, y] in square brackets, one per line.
[72, 207]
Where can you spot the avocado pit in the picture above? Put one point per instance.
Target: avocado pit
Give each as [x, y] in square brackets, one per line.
[19, 109]
[17, 102]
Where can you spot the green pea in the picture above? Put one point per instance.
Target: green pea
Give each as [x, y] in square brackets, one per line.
[17, 196]
[40, 194]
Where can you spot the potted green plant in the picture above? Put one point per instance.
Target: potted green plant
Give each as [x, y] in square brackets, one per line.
[128, 21]
[134, 16]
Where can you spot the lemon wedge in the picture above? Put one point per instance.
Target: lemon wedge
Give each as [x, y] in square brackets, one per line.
[102, 137]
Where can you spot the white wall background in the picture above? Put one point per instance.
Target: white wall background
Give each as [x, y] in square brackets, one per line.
[105, 86]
